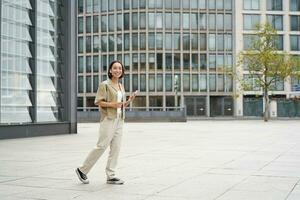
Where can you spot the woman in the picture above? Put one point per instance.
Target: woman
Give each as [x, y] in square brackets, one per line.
[111, 100]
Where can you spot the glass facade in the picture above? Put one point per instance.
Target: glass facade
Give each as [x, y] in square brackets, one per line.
[157, 40]
[34, 67]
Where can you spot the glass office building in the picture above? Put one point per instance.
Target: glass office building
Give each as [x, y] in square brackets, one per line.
[38, 59]
[283, 15]
[194, 40]
[159, 41]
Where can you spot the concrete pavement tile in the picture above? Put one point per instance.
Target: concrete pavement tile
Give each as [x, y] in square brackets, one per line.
[206, 186]
[7, 190]
[252, 195]
[267, 184]
[110, 196]
[50, 194]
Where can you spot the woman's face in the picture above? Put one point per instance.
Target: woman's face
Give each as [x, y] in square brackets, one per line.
[116, 70]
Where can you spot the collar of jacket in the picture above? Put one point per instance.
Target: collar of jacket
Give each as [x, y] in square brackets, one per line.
[110, 83]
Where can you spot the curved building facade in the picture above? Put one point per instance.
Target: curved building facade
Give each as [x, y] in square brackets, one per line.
[162, 43]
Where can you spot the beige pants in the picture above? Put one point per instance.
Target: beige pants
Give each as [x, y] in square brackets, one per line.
[110, 134]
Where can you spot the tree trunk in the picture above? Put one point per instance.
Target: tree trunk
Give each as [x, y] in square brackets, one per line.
[267, 106]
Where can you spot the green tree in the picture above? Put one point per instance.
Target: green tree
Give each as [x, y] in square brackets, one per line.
[265, 64]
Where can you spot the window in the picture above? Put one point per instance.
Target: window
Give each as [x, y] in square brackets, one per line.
[95, 24]
[202, 21]
[168, 82]
[159, 41]
[250, 22]
[176, 41]
[168, 20]
[80, 25]
[295, 84]
[177, 61]
[202, 4]
[278, 42]
[295, 42]
[212, 41]
[251, 82]
[134, 23]
[159, 82]
[228, 22]
[104, 5]
[142, 61]
[111, 22]
[80, 6]
[135, 4]
[88, 47]
[96, 6]
[80, 64]
[195, 62]
[295, 22]
[275, 21]
[126, 41]
[202, 41]
[248, 41]
[142, 20]
[103, 24]
[194, 21]
[168, 41]
[89, 6]
[151, 20]
[95, 64]
[194, 41]
[212, 21]
[186, 61]
[168, 61]
[212, 82]
[159, 62]
[142, 41]
[95, 83]
[168, 4]
[176, 21]
[186, 21]
[96, 44]
[88, 84]
[186, 82]
[126, 4]
[135, 41]
[203, 85]
[135, 82]
[126, 21]
[104, 43]
[80, 84]
[151, 41]
[88, 27]
[294, 5]
[142, 82]
[186, 41]
[220, 4]
[119, 4]
[251, 4]
[203, 61]
[159, 20]
[151, 82]
[228, 4]
[220, 21]
[119, 22]
[195, 82]
[274, 4]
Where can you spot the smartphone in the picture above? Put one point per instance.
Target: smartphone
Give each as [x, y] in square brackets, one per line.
[135, 93]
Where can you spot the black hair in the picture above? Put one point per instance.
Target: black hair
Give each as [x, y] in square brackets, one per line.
[110, 66]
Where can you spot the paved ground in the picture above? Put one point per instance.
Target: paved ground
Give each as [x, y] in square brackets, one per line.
[197, 160]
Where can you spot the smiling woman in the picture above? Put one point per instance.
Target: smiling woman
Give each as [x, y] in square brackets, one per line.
[111, 100]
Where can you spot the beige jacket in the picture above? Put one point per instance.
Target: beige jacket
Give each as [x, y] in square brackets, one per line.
[107, 92]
